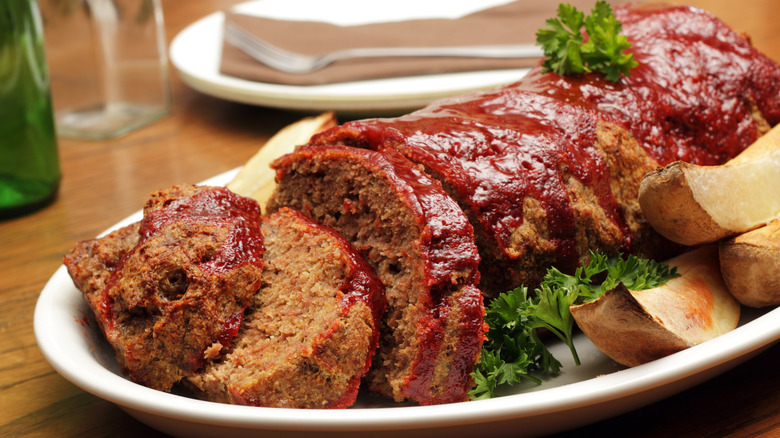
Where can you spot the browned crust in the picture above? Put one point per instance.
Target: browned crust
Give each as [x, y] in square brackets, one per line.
[90, 263]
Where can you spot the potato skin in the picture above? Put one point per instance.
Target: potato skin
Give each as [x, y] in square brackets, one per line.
[750, 264]
[671, 209]
[620, 327]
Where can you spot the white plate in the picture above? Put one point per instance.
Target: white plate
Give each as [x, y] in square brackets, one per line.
[598, 389]
[196, 51]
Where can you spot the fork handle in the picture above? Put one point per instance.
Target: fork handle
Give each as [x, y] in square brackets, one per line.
[491, 51]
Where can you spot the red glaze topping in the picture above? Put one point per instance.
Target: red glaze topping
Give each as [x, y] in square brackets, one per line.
[217, 205]
[691, 97]
[230, 329]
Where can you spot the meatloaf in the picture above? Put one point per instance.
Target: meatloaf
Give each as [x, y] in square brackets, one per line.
[548, 168]
[172, 295]
[310, 333]
[423, 250]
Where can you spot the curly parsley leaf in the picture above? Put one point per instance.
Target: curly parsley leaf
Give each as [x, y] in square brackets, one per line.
[514, 352]
[513, 349]
[567, 53]
[562, 40]
[604, 273]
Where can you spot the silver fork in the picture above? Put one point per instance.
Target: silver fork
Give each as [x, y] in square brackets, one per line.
[290, 62]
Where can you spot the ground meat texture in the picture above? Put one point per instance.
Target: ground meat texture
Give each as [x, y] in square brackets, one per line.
[177, 298]
[311, 330]
[422, 247]
[92, 262]
[548, 168]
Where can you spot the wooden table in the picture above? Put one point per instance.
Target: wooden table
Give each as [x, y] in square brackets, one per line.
[105, 181]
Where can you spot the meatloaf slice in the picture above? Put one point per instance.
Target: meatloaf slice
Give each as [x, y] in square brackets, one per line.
[311, 330]
[422, 247]
[173, 295]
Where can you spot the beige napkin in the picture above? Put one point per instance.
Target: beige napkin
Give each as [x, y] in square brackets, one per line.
[513, 23]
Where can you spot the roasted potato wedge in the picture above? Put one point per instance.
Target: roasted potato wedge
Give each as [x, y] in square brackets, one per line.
[750, 264]
[256, 179]
[635, 327]
[692, 205]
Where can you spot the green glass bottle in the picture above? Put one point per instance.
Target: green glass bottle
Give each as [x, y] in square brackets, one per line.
[29, 164]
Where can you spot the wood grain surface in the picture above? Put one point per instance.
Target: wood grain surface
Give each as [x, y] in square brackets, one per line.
[105, 181]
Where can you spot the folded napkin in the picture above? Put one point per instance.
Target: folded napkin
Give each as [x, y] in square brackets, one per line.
[512, 23]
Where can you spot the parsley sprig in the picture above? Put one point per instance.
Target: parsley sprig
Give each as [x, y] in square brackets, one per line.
[514, 352]
[566, 51]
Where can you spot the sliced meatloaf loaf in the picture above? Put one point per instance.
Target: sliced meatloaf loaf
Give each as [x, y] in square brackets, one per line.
[549, 167]
[172, 294]
[423, 250]
[310, 333]
[541, 180]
